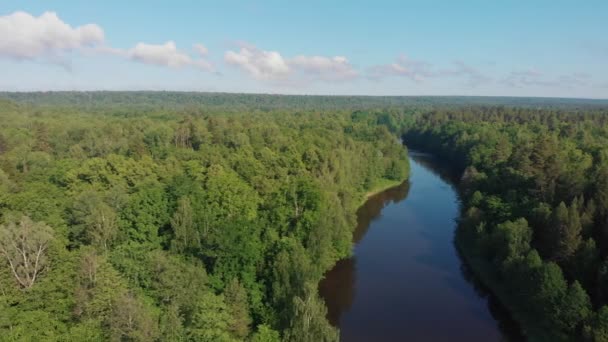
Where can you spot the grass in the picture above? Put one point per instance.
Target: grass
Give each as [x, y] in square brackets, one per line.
[380, 186]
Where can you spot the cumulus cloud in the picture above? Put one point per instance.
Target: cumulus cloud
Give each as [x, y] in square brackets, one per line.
[260, 64]
[25, 37]
[48, 38]
[167, 55]
[336, 68]
[201, 49]
[272, 66]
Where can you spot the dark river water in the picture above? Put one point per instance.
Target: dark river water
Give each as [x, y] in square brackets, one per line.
[406, 280]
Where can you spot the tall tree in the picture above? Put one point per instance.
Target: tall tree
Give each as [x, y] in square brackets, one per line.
[131, 320]
[265, 334]
[236, 299]
[93, 221]
[146, 213]
[24, 245]
[575, 308]
[308, 323]
[185, 235]
[211, 321]
[566, 228]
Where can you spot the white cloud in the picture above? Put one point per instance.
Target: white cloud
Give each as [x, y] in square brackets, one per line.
[272, 66]
[166, 55]
[336, 68]
[48, 38]
[25, 37]
[261, 65]
[201, 49]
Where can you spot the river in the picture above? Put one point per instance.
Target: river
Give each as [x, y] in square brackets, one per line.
[406, 280]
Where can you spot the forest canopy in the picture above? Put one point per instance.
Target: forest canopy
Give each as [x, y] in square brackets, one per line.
[178, 223]
[534, 224]
[163, 216]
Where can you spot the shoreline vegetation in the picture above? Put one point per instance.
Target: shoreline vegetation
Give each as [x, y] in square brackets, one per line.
[486, 274]
[482, 271]
[172, 222]
[382, 186]
[534, 210]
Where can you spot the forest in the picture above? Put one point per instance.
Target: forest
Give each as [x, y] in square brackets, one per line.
[143, 216]
[179, 224]
[534, 222]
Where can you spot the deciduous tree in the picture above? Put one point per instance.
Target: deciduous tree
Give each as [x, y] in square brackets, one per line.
[24, 245]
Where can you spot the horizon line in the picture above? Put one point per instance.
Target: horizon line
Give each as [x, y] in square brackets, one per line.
[287, 94]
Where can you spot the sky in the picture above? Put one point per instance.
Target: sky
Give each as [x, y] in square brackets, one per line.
[489, 48]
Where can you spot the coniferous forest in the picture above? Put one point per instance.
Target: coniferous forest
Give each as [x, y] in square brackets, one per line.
[213, 217]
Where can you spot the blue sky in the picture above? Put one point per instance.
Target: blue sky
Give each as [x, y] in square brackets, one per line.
[511, 48]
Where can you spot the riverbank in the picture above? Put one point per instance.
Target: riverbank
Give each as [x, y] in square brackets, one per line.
[404, 233]
[485, 273]
[382, 186]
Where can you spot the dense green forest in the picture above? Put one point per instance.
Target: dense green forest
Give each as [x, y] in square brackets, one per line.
[154, 100]
[179, 223]
[211, 217]
[535, 210]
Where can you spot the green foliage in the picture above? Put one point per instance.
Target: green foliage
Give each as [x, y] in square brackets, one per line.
[512, 239]
[236, 299]
[533, 179]
[145, 214]
[93, 221]
[211, 321]
[24, 247]
[566, 228]
[185, 236]
[598, 330]
[308, 323]
[176, 223]
[265, 334]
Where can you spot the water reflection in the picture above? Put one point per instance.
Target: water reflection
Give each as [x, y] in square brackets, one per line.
[508, 327]
[338, 286]
[406, 280]
[448, 173]
[374, 205]
[451, 176]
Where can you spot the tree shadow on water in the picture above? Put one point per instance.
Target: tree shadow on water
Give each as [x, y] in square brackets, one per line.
[509, 329]
[338, 286]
